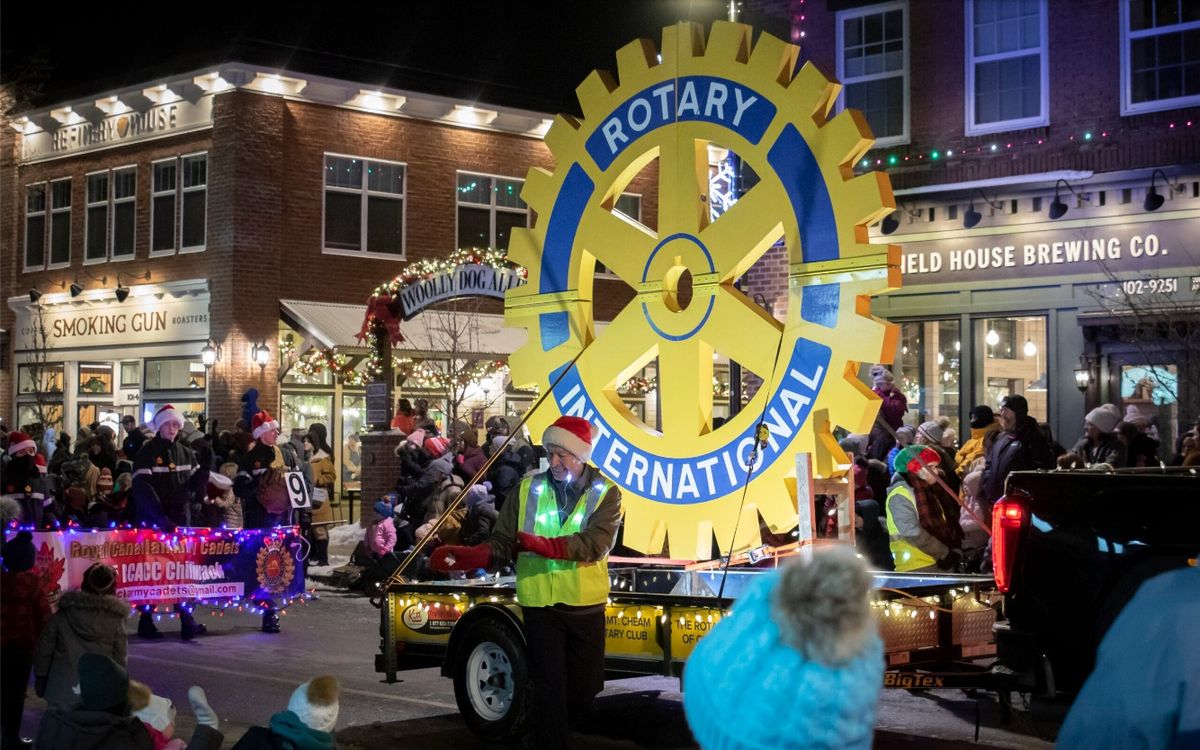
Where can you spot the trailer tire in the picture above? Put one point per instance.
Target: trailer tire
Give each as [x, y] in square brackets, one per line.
[491, 681]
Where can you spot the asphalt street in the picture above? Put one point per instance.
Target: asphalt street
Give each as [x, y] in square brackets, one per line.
[249, 675]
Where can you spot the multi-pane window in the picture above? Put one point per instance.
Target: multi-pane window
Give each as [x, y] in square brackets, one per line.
[1007, 71]
[60, 222]
[364, 206]
[927, 369]
[162, 206]
[35, 226]
[95, 247]
[628, 205]
[124, 211]
[489, 208]
[1160, 55]
[1011, 358]
[194, 169]
[872, 63]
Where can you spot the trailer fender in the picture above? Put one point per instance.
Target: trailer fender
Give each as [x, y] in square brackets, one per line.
[477, 613]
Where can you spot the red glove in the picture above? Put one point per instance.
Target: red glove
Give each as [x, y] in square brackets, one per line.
[553, 548]
[451, 557]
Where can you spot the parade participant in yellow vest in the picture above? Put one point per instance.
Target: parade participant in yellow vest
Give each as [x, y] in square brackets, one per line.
[562, 524]
[923, 535]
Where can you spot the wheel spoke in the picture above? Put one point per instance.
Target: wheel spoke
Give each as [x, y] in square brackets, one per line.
[685, 386]
[682, 186]
[740, 236]
[758, 334]
[622, 245]
[621, 350]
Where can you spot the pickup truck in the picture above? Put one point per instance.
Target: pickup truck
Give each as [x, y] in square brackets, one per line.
[1069, 550]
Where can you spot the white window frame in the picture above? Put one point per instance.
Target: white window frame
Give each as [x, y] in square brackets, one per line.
[839, 50]
[363, 203]
[174, 193]
[112, 213]
[1022, 123]
[45, 214]
[1128, 107]
[88, 205]
[492, 207]
[51, 211]
[183, 191]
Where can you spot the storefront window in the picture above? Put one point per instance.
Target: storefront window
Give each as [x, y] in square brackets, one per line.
[95, 379]
[303, 409]
[40, 378]
[33, 420]
[354, 415]
[191, 410]
[1151, 392]
[131, 373]
[99, 413]
[927, 369]
[175, 375]
[1010, 359]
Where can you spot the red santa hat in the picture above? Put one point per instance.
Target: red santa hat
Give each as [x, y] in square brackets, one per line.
[262, 424]
[167, 414]
[40, 461]
[19, 441]
[575, 434]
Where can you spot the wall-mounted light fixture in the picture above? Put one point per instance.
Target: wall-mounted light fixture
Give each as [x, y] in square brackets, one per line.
[122, 291]
[890, 223]
[1154, 199]
[1083, 373]
[971, 217]
[1058, 209]
[210, 354]
[260, 353]
[34, 296]
[77, 289]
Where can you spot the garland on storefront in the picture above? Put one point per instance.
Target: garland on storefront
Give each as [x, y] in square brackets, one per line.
[427, 375]
[312, 364]
[383, 307]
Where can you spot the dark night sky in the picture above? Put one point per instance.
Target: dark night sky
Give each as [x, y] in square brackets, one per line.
[510, 53]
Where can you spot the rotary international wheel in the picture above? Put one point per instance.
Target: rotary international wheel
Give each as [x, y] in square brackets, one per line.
[683, 484]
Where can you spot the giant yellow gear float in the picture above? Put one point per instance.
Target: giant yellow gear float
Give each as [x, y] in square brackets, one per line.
[684, 484]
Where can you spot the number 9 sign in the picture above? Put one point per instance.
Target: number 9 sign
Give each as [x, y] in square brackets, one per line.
[298, 490]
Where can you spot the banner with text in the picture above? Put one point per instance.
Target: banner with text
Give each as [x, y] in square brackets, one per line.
[157, 567]
[470, 280]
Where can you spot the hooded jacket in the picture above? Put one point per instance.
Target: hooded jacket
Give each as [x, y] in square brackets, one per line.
[972, 449]
[285, 728]
[79, 729]
[84, 622]
[1107, 450]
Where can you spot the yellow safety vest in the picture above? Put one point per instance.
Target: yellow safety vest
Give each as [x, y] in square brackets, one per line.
[907, 556]
[542, 582]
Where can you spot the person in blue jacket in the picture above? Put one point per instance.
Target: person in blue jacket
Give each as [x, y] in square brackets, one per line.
[1145, 689]
[798, 663]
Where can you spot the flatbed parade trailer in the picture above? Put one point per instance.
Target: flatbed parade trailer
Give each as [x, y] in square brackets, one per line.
[934, 627]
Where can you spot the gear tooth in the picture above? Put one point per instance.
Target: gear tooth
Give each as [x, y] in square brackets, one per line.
[725, 519]
[561, 136]
[689, 538]
[729, 41]
[681, 42]
[593, 94]
[774, 58]
[538, 190]
[842, 141]
[644, 531]
[634, 59]
[525, 250]
[870, 195]
[813, 92]
[857, 405]
[777, 504]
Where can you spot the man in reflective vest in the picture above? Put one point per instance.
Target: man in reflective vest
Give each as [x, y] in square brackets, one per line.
[562, 523]
[920, 534]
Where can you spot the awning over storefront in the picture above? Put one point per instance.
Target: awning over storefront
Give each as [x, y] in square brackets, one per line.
[336, 326]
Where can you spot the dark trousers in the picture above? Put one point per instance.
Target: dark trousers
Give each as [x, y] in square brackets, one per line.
[566, 664]
[16, 663]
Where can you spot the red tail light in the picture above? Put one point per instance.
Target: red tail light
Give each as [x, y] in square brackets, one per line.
[1007, 518]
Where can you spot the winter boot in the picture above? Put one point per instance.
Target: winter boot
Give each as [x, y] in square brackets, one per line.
[270, 621]
[146, 628]
[188, 627]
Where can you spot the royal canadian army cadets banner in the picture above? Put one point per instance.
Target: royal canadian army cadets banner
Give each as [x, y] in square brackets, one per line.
[160, 567]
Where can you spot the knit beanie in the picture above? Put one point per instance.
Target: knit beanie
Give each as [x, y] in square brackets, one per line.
[905, 435]
[104, 483]
[99, 579]
[19, 553]
[384, 508]
[910, 458]
[417, 438]
[982, 416]
[573, 434]
[1114, 409]
[932, 431]
[316, 703]
[1103, 419]
[103, 684]
[1016, 404]
[752, 683]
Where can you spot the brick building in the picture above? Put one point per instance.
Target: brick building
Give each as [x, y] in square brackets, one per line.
[987, 113]
[241, 206]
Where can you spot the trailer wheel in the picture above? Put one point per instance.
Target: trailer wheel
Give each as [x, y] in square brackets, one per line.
[491, 681]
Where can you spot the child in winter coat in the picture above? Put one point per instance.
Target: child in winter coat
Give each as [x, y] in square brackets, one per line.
[224, 506]
[91, 620]
[24, 610]
[381, 535]
[157, 714]
[307, 724]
